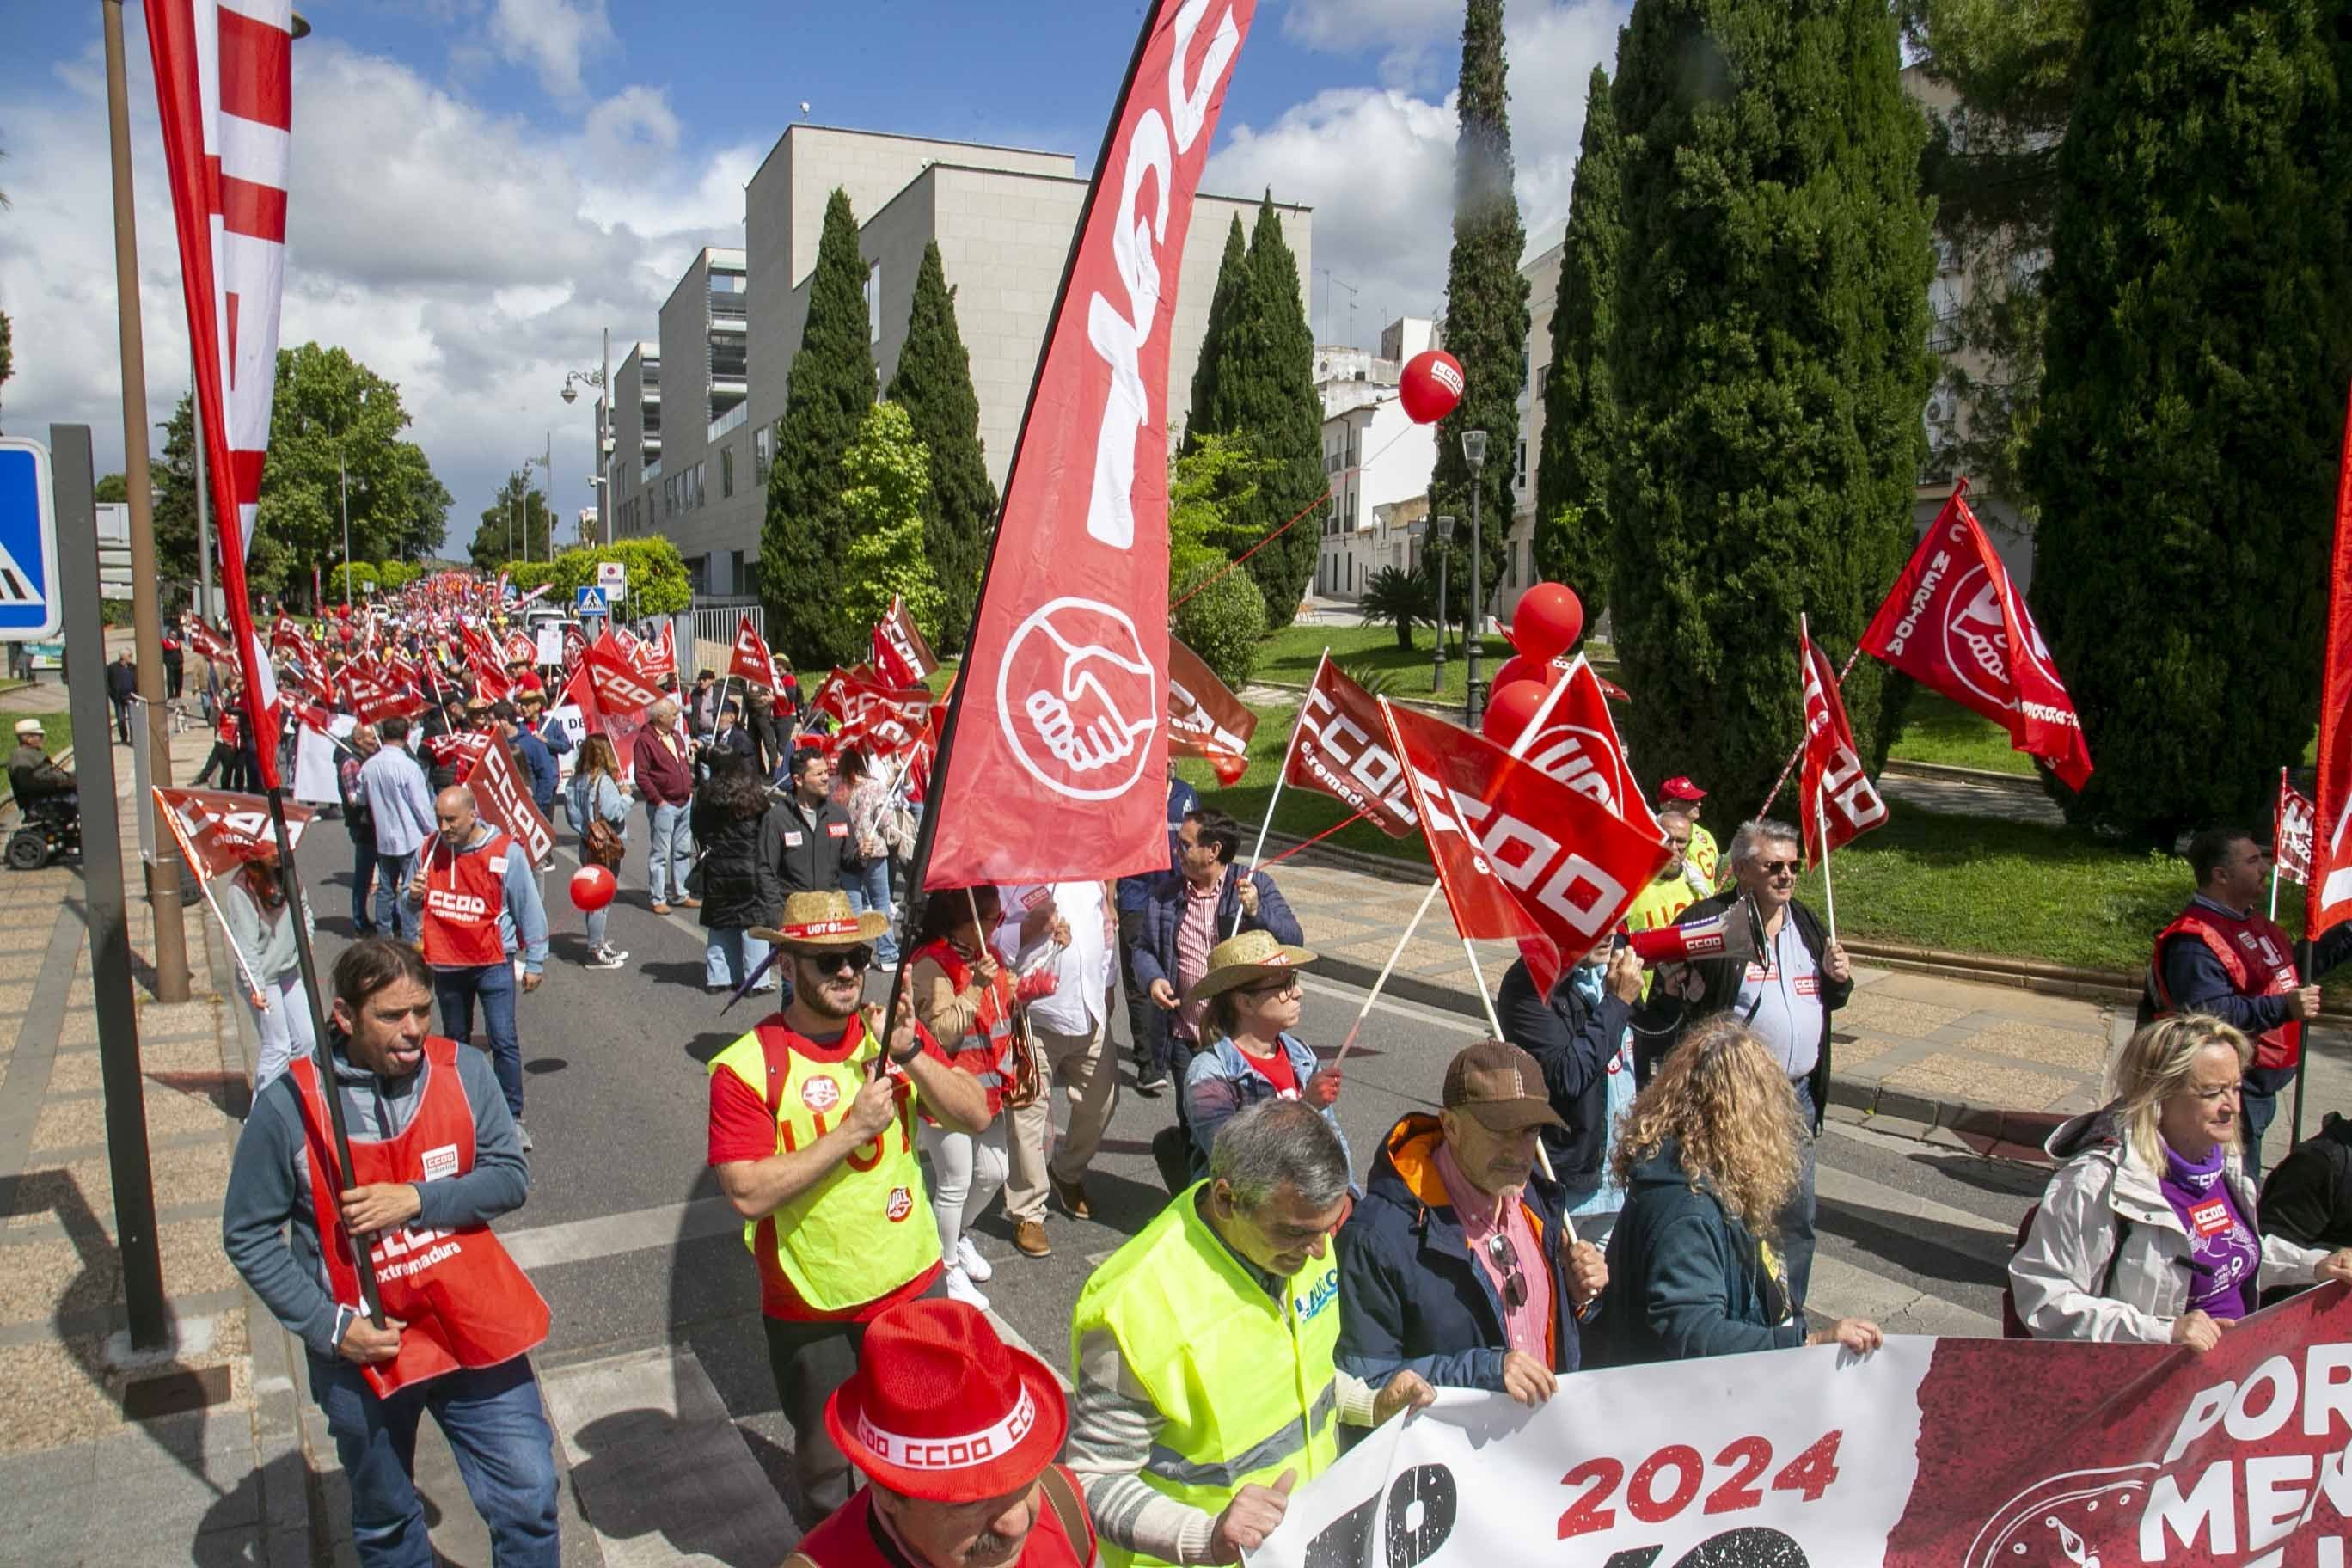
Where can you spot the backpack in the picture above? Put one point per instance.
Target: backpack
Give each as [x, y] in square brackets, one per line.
[2012, 1327]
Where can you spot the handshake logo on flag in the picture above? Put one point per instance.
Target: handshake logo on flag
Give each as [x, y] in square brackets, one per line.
[1079, 699]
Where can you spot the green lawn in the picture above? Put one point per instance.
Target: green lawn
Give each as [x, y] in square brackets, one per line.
[57, 728]
[1288, 655]
[1938, 730]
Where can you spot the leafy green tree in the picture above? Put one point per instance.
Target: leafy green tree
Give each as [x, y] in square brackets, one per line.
[1485, 310]
[1771, 366]
[1573, 540]
[933, 384]
[888, 476]
[1260, 383]
[2201, 339]
[1223, 622]
[7, 351]
[270, 564]
[518, 523]
[658, 583]
[806, 540]
[1402, 599]
[111, 488]
[1231, 272]
[1211, 478]
[329, 409]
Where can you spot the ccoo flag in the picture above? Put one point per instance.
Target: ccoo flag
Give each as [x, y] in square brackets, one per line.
[1836, 800]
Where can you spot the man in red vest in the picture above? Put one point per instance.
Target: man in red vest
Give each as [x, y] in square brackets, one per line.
[2222, 958]
[956, 1435]
[434, 1160]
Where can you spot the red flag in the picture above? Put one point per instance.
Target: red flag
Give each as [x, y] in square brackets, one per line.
[375, 702]
[887, 723]
[458, 750]
[659, 658]
[218, 832]
[207, 644]
[1833, 791]
[1205, 718]
[899, 651]
[2291, 832]
[504, 796]
[521, 649]
[575, 648]
[1521, 854]
[620, 687]
[2328, 896]
[750, 660]
[1341, 748]
[1954, 623]
[1068, 661]
[286, 637]
[1576, 742]
[490, 683]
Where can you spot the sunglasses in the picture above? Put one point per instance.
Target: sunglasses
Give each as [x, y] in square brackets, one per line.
[1779, 867]
[831, 960]
[1504, 1255]
[1282, 987]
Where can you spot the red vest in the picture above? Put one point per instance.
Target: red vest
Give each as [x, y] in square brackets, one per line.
[465, 1302]
[463, 896]
[986, 1051]
[2259, 960]
[852, 1538]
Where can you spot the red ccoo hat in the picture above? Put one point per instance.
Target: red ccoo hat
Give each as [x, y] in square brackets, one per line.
[941, 1409]
[1679, 787]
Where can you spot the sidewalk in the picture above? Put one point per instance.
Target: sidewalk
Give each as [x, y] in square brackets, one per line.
[1990, 1065]
[214, 1471]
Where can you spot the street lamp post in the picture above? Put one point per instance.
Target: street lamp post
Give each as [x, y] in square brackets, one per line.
[1474, 447]
[1444, 529]
[602, 380]
[343, 476]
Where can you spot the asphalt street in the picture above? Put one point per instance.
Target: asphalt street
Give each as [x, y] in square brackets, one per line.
[627, 1236]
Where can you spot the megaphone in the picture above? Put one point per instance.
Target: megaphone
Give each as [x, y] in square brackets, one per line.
[1736, 932]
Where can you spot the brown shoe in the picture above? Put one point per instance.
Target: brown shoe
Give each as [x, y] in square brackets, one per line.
[1073, 1195]
[1030, 1237]
[660, 908]
[689, 903]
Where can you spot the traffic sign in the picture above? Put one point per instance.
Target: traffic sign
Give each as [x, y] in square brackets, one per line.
[31, 608]
[612, 576]
[590, 602]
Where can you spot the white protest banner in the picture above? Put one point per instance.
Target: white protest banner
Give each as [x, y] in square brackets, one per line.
[1927, 1454]
[550, 649]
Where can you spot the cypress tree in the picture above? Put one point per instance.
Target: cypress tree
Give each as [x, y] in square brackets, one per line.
[1205, 370]
[1572, 537]
[1485, 310]
[933, 384]
[1770, 367]
[805, 541]
[2200, 338]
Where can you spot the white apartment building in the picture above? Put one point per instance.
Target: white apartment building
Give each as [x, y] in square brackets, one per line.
[1378, 461]
[1002, 218]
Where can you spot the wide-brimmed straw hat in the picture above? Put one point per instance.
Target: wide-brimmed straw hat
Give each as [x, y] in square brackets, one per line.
[1241, 959]
[823, 920]
[941, 1409]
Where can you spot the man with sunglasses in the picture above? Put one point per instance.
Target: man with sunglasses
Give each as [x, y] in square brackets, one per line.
[812, 1133]
[1786, 995]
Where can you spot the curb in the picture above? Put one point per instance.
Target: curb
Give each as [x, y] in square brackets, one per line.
[2020, 783]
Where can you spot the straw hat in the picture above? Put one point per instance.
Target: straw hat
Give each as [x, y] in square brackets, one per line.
[1241, 959]
[823, 920]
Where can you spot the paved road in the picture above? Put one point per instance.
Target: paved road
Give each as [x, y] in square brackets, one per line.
[636, 1255]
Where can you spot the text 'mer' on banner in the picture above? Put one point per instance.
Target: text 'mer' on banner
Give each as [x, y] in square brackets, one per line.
[1930, 1453]
[1054, 766]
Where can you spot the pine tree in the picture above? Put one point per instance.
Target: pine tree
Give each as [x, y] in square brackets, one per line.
[1486, 312]
[1231, 272]
[887, 475]
[1259, 385]
[1770, 367]
[933, 384]
[2200, 341]
[1573, 543]
[805, 541]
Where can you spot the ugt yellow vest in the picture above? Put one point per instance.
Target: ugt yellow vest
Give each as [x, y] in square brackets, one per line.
[1247, 1386]
[866, 1229]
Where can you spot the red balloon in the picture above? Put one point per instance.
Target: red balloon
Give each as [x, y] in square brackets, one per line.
[1431, 386]
[592, 887]
[1521, 670]
[1511, 708]
[1549, 620]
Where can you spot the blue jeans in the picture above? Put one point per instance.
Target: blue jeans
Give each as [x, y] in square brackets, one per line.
[870, 889]
[495, 985]
[392, 874]
[363, 860]
[729, 956]
[670, 856]
[492, 1418]
[1797, 1220]
[599, 921]
[2257, 1111]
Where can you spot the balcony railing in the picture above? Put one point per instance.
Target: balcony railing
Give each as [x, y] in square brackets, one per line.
[733, 419]
[653, 473]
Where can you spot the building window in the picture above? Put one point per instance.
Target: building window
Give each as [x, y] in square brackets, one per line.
[727, 470]
[1520, 467]
[874, 303]
[763, 453]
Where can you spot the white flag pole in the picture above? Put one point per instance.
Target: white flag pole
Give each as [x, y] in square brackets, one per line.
[2281, 795]
[1280, 775]
[252, 987]
[1829, 890]
[1387, 969]
[1470, 951]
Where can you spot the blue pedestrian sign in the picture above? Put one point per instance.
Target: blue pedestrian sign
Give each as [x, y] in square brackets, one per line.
[30, 604]
[591, 602]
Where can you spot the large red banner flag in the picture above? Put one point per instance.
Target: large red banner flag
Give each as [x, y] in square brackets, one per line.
[218, 831]
[752, 660]
[1341, 748]
[2327, 894]
[899, 651]
[1956, 623]
[1056, 739]
[224, 94]
[1835, 796]
[504, 797]
[1521, 854]
[1205, 719]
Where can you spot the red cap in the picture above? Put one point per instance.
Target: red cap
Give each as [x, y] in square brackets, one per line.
[941, 1409]
[1679, 787]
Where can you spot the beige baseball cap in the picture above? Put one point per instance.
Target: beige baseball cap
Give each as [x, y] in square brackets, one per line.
[1500, 1085]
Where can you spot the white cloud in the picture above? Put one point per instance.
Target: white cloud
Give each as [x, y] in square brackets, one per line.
[555, 38]
[1377, 162]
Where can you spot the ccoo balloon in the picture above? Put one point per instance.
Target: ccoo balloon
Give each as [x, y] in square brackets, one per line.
[1547, 621]
[1431, 386]
[592, 887]
[1511, 708]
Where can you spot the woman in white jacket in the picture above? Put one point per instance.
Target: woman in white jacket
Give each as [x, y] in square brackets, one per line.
[2147, 1233]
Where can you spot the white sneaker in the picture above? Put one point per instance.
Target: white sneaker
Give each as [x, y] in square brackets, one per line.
[975, 1267]
[962, 1289]
[607, 958]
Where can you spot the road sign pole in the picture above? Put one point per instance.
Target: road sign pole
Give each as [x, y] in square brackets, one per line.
[101, 881]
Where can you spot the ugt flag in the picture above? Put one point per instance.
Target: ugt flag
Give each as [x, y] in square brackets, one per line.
[1836, 800]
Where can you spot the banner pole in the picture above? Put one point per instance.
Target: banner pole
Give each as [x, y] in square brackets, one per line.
[1372, 998]
[252, 987]
[1829, 889]
[1297, 723]
[1543, 1157]
[1790, 765]
[2302, 1052]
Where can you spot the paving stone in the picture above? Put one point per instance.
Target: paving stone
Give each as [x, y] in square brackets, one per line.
[1880, 1013]
[2040, 1044]
[1955, 1081]
[76, 1123]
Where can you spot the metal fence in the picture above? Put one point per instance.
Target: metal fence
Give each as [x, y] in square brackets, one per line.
[715, 621]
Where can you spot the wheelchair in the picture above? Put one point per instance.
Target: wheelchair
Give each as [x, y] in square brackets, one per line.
[49, 826]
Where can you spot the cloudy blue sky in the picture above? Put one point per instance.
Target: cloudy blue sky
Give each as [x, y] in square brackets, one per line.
[480, 187]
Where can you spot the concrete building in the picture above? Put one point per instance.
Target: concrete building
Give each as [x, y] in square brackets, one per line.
[1002, 218]
[1380, 461]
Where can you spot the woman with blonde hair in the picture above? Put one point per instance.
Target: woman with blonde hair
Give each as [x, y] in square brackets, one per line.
[1709, 1156]
[2147, 1232]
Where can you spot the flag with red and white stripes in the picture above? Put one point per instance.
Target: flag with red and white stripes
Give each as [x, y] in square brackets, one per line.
[224, 90]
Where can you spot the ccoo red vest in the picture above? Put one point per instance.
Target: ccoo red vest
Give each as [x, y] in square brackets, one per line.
[465, 1302]
[2259, 960]
[463, 896]
[986, 1051]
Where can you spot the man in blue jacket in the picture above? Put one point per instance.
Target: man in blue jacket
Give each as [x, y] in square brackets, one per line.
[1190, 910]
[1573, 1037]
[1459, 1264]
[1147, 1032]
